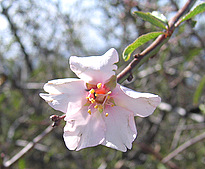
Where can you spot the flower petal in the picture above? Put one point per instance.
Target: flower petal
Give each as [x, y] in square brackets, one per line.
[95, 69]
[141, 104]
[84, 130]
[120, 128]
[68, 85]
[65, 94]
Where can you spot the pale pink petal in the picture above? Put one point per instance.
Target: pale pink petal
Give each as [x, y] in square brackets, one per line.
[141, 104]
[94, 69]
[84, 130]
[120, 128]
[65, 94]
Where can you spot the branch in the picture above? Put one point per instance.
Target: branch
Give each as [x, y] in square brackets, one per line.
[28, 147]
[14, 31]
[162, 39]
[183, 147]
[146, 148]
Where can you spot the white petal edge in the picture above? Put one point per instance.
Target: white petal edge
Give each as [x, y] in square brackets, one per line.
[65, 94]
[95, 69]
[141, 104]
[67, 85]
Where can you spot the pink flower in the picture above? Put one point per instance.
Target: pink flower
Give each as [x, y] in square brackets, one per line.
[98, 110]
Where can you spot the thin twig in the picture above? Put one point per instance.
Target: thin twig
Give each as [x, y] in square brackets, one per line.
[146, 148]
[177, 133]
[28, 147]
[56, 119]
[184, 146]
[173, 23]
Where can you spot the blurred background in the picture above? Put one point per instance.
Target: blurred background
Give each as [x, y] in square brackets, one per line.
[36, 40]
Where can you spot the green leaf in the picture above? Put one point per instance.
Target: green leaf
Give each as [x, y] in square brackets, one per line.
[199, 90]
[160, 16]
[138, 42]
[198, 9]
[155, 19]
[146, 58]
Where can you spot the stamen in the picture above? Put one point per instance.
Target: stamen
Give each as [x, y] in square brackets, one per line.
[99, 85]
[98, 97]
[92, 91]
[89, 111]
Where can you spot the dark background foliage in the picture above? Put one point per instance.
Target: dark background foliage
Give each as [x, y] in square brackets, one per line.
[36, 40]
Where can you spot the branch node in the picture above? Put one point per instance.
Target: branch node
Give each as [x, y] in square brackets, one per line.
[130, 77]
[56, 119]
[136, 56]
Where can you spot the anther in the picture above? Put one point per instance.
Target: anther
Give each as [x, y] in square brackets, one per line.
[106, 114]
[92, 100]
[87, 97]
[99, 85]
[89, 111]
[96, 106]
[92, 91]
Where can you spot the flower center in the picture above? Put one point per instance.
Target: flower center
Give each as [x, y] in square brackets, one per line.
[98, 97]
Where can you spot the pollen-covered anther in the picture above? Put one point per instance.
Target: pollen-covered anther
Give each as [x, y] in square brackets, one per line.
[92, 91]
[89, 111]
[87, 97]
[92, 100]
[106, 114]
[99, 85]
[96, 106]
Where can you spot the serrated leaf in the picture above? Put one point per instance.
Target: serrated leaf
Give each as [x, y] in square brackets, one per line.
[197, 10]
[137, 43]
[199, 90]
[156, 21]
